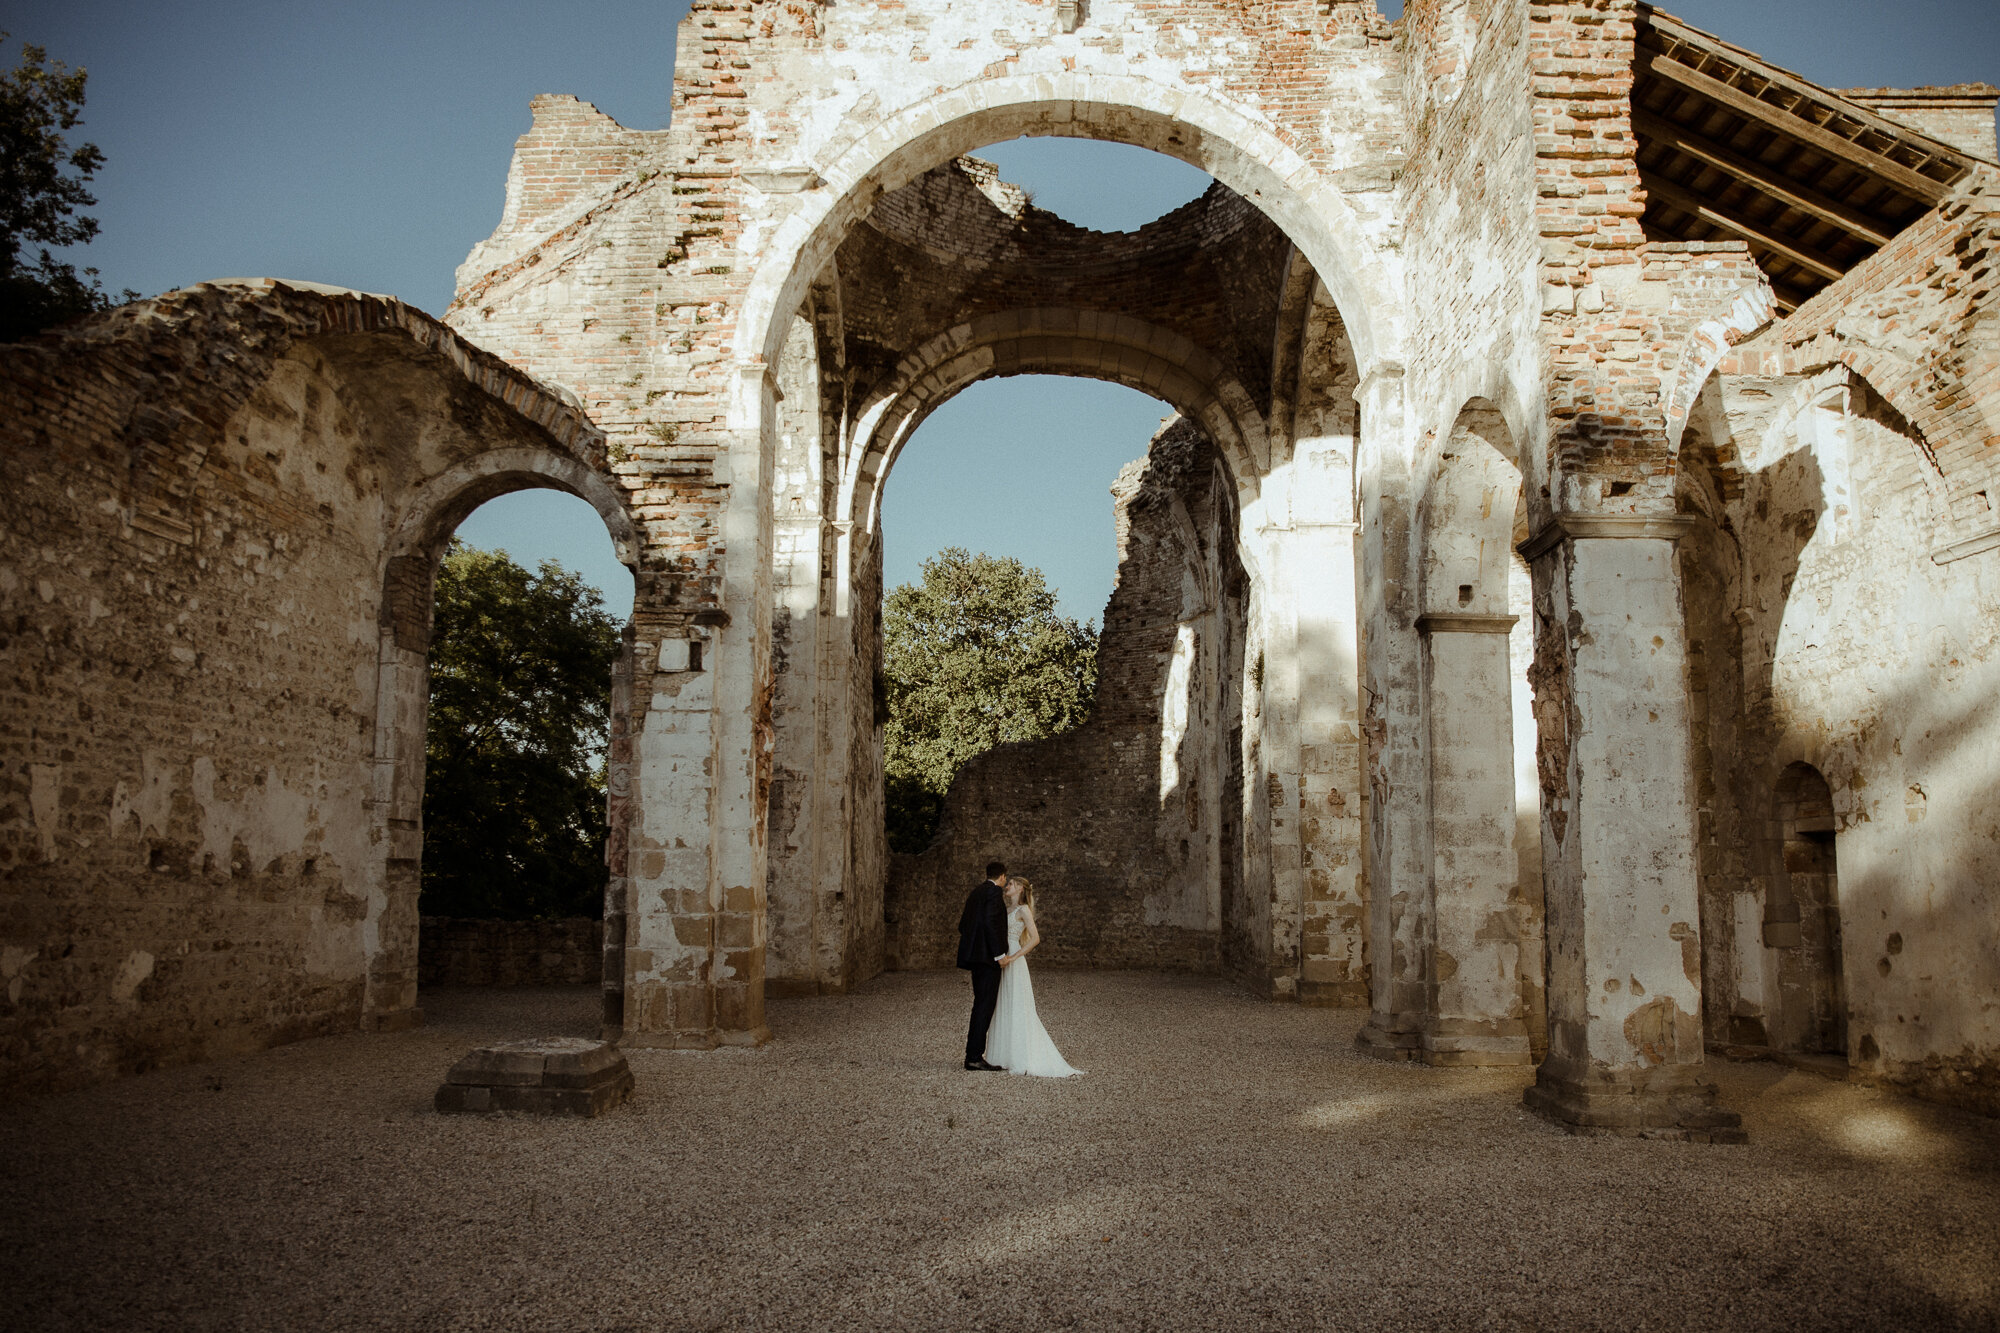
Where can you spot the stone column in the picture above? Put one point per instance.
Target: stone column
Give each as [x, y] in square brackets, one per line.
[1333, 965]
[1272, 783]
[798, 785]
[669, 917]
[1624, 942]
[619, 813]
[1392, 724]
[396, 814]
[1304, 785]
[745, 743]
[1475, 1013]
[695, 922]
[807, 949]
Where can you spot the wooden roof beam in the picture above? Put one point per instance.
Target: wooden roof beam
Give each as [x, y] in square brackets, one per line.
[1796, 127]
[1673, 32]
[1688, 202]
[1804, 198]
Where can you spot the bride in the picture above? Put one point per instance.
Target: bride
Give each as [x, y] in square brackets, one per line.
[1016, 1040]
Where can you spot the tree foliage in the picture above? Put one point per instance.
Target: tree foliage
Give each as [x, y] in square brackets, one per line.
[43, 182]
[972, 657]
[514, 821]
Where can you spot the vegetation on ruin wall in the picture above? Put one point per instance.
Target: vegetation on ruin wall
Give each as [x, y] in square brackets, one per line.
[42, 185]
[514, 821]
[974, 656]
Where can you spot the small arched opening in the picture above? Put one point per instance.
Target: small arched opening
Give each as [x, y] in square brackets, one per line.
[531, 693]
[1802, 918]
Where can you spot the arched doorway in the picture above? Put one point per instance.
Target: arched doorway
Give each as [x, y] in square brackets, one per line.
[1802, 918]
[403, 698]
[1215, 311]
[529, 608]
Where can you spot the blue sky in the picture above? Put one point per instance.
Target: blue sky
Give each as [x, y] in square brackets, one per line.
[365, 143]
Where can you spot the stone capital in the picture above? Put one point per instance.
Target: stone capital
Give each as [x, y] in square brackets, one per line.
[1572, 527]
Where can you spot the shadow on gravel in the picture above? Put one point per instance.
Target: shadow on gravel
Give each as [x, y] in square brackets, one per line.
[1223, 1164]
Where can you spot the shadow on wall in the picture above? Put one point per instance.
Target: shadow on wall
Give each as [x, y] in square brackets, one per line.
[1127, 824]
[1738, 570]
[1847, 753]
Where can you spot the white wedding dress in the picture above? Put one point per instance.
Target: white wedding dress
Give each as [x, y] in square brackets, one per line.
[1016, 1039]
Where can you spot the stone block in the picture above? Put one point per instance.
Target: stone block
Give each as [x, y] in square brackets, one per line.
[541, 1076]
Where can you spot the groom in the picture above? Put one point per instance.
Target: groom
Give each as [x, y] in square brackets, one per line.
[982, 943]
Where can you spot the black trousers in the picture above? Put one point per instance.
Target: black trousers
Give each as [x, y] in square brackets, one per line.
[985, 996]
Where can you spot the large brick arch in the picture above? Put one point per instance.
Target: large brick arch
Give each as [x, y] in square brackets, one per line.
[1238, 149]
[1085, 344]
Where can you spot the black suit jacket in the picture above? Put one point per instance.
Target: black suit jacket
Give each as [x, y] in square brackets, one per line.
[982, 926]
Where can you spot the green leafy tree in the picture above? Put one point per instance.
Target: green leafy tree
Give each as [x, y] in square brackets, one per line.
[972, 657]
[43, 182]
[521, 664]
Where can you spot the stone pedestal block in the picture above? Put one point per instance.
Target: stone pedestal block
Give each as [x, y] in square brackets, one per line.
[543, 1076]
[1665, 1103]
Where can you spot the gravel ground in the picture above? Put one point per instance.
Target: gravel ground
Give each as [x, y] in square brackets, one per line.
[1225, 1164]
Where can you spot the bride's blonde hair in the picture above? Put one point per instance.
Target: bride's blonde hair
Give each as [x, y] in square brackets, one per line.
[1027, 890]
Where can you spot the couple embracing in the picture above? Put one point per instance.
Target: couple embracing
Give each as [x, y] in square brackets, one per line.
[995, 934]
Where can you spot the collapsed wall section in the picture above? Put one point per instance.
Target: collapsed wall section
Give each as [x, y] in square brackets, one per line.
[210, 787]
[1127, 825]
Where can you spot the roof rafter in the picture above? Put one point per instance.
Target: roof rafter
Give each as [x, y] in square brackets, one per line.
[1804, 198]
[1731, 145]
[1794, 126]
[1687, 201]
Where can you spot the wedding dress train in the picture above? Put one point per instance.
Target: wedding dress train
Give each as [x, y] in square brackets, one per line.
[1016, 1039]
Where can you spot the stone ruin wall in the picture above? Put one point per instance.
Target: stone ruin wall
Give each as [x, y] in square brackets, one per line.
[1127, 824]
[1483, 147]
[463, 952]
[189, 713]
[1841, 612]
[199, 852]
[1823, 632]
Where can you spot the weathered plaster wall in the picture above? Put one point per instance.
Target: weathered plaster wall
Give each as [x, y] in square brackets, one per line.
[1830, 637]
[1118, 823]
[208, 824]
[1460, 193]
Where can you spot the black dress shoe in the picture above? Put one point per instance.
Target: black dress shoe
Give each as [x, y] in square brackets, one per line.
[980, 1066]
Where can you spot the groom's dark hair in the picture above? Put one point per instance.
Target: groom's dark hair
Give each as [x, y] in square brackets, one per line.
[995, 870]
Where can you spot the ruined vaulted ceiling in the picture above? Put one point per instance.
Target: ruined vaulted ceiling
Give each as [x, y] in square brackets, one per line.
[957, 243]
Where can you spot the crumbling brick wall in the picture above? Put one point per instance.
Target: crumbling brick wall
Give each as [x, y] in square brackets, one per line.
[205, 843]
[460, 952]
[1918, 320]
[1119, 823]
